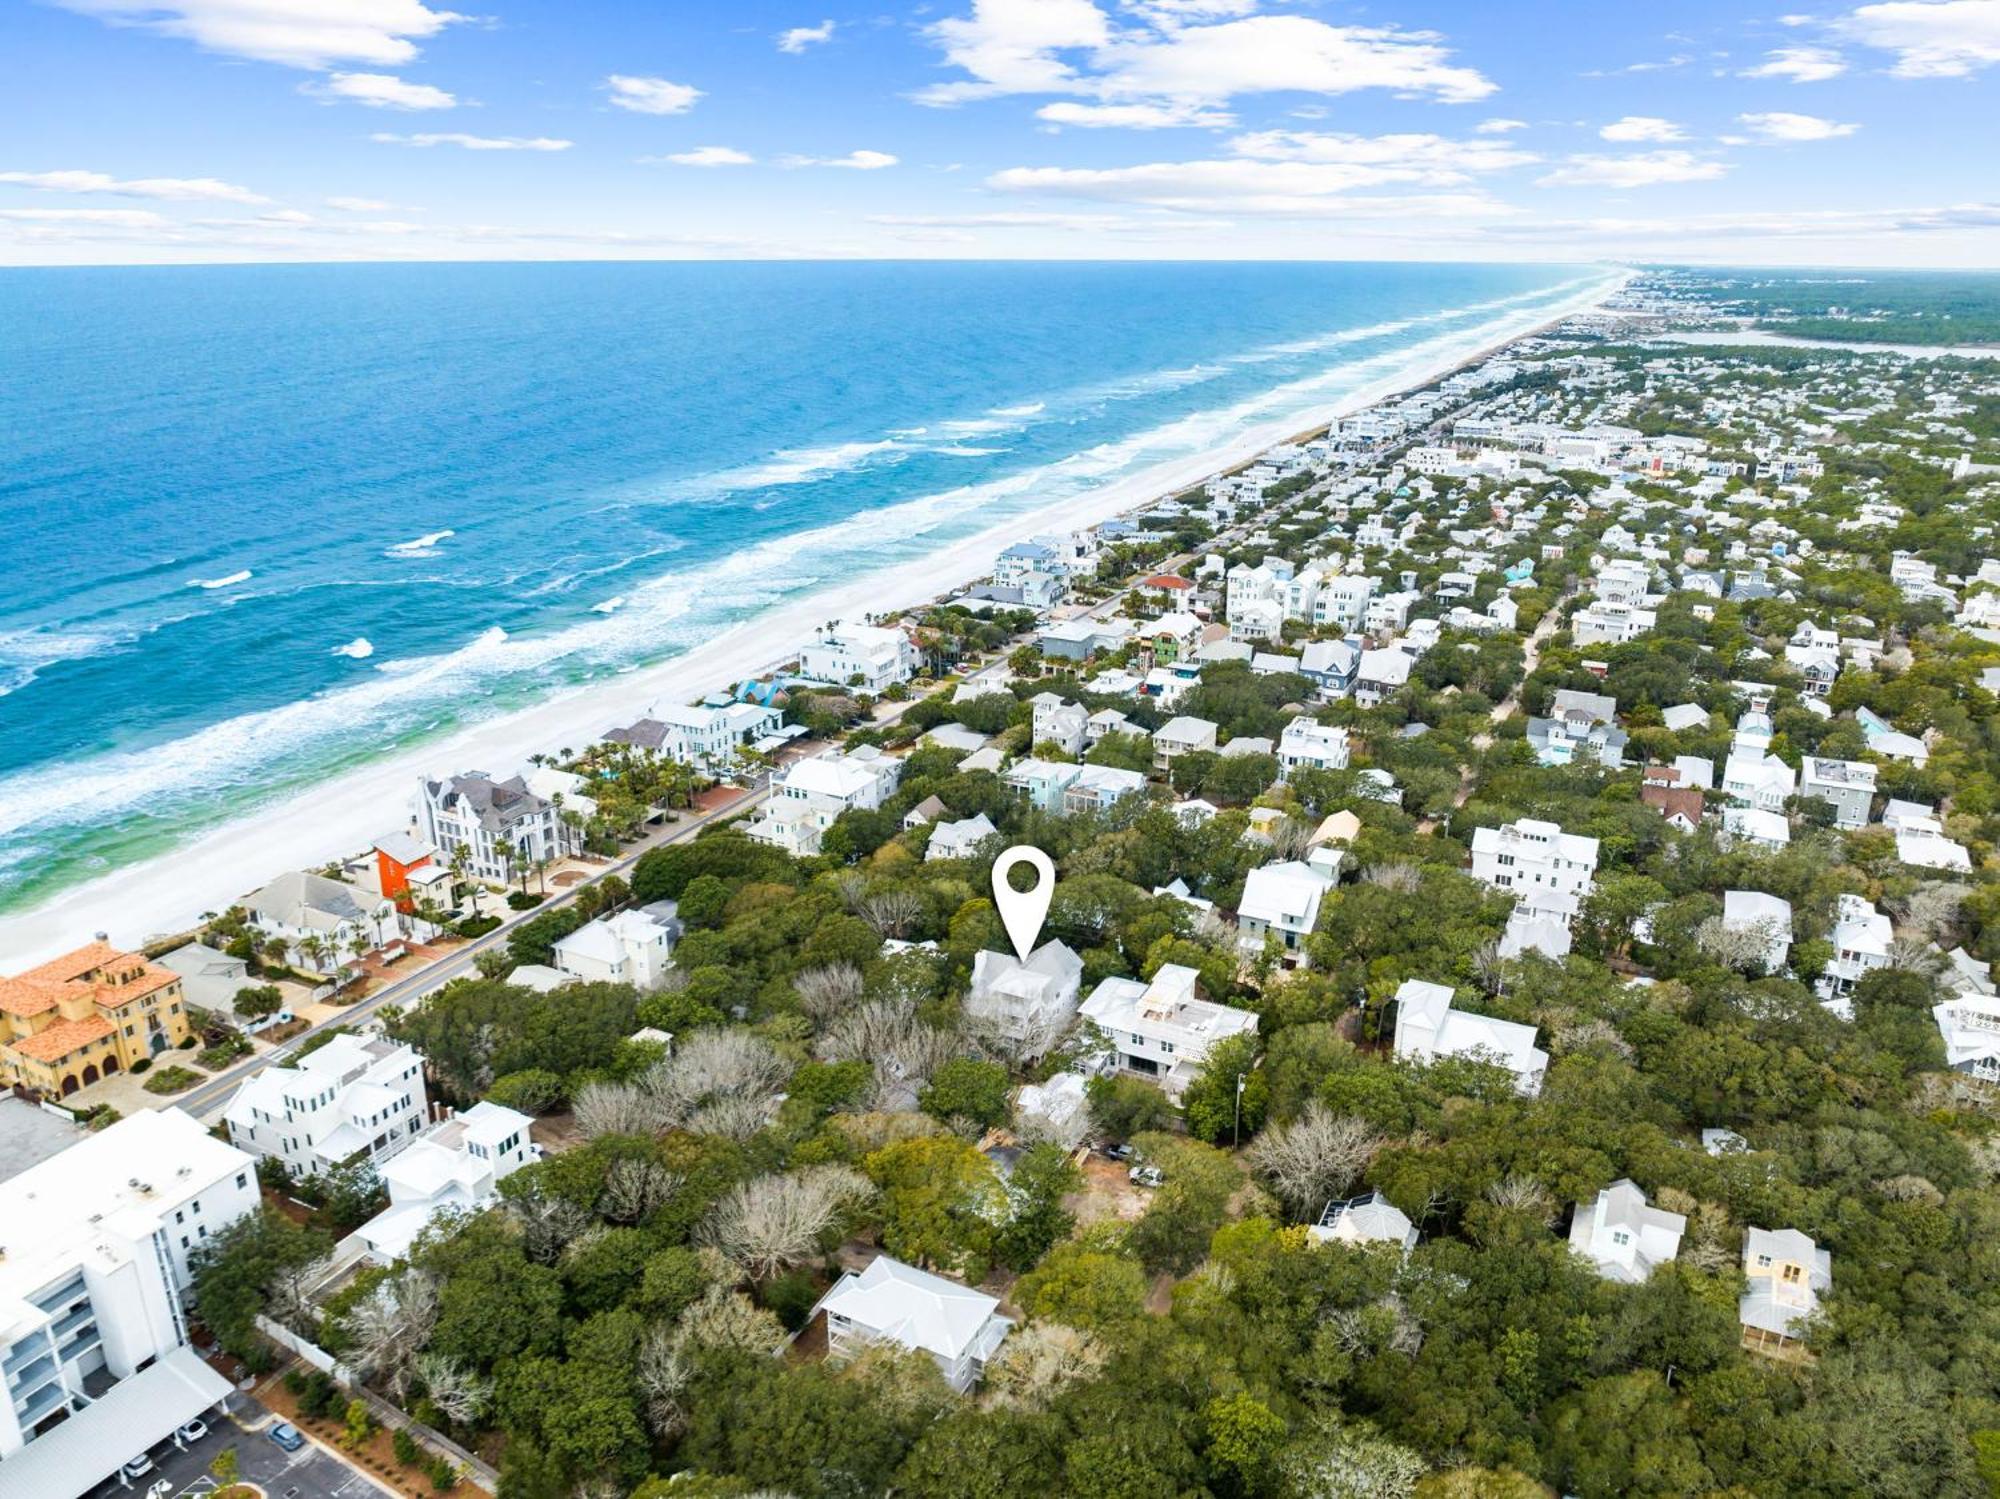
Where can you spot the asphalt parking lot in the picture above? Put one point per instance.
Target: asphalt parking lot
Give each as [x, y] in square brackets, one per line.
[310, 1473]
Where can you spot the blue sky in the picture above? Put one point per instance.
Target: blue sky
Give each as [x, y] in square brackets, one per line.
[199, 130]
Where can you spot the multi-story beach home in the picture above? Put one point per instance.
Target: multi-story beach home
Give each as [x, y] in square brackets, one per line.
[1548, 871]
[634, 947]
[497, 826]
[1861, 937]
[1163, 1030]
[1848, 785]
[1282, 900]
[95, 1347]
[705, 735]
[86, 1015]
[1173, 637]
[456, 1165]
[893, 1303]
[1027, 1004]
[353, 1096]
[1623, 1235]
[1785, 1272]
[1429, 1027]
[808, 795]
[868, 658]
[320, 921]
[1308, 744]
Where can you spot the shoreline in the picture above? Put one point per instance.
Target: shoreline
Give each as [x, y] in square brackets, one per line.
[164, 894]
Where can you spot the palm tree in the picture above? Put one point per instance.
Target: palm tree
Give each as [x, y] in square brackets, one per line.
[314, 948]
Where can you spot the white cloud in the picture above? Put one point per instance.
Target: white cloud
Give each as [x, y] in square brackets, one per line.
[1643, 128]
[297, 33]
[650, 96]
[1642, 169]
[120, 218]
[474, 142]
[1846, 225]
[1083, 223]
[359, 205]
[1931, 38]
[1297, 173]
[1800, 64]
[1780, 126]
[382, 91]
[853, 161]
[1132, 116]
[1296, 188]
[1180, 54]
[706, 156]
[1660, 65]
[1432, 160]
[1498, 127]
[177, 189]
[801, 37]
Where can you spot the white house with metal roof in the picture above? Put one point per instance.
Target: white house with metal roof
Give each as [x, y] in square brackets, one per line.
[1623, 1235]
[457, 1164]
[1028, 1004]
[890, 1302]
[1163, 1031]
[1428, 1027]
[633, 947]
[354, 1096]
[1368, 1219]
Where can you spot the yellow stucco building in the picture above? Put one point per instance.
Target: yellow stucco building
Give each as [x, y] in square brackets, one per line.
[86, 1015]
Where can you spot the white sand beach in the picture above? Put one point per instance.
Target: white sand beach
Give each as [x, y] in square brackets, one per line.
[341, 817]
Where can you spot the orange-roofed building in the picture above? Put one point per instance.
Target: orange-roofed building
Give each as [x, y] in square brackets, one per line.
[86, 1015]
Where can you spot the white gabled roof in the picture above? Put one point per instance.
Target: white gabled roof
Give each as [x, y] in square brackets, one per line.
[913, 1307]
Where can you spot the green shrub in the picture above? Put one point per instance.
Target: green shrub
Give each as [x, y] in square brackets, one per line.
[444, 1477]
[476, 926]
[792, 1297]
[407, 1450]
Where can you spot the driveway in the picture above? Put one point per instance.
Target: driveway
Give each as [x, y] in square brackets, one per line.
[312, 1472]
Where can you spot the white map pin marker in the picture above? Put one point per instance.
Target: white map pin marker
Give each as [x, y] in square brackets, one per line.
[1023, 911]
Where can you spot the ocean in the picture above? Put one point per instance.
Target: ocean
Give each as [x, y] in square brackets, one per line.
[269, 524]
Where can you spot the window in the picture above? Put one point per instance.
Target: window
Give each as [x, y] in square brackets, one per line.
[242, 1178]
[1621, 1238]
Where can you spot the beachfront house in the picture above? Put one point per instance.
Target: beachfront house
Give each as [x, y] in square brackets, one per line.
[321, 922]
[867, 658]
[495, 827]
[708, 736]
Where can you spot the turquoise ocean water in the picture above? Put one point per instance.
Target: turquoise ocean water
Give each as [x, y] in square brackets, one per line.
[262, 523]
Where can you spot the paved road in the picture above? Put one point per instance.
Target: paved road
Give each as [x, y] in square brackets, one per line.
[208, 1099]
